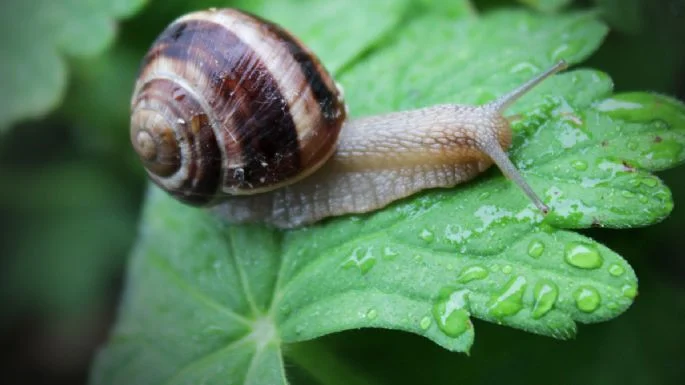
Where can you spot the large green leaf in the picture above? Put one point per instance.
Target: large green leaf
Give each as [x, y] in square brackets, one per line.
[208, 302]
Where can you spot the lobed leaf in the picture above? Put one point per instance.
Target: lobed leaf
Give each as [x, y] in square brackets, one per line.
[39, 34]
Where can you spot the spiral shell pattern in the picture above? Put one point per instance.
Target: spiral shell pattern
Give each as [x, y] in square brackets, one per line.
[227, 103]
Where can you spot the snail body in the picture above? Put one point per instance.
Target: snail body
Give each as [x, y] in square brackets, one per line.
[232, 111]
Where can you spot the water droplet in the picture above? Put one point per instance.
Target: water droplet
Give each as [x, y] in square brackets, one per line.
[587, 299]
[632, 145]
[643, 199]
[178, 94]
[494, 268]
[612, 306]
[635, 182]
[579, 165]
[561, 52]
[389, 253]
[457, 235]
[664, 150]
[427, 235]
[545, 294]
[363, 262]
[510, 300]
[616, 270]
[526, 67]
[627, 194]
[611, 105]
[472, 273]
[649, 182]
[484, 195]
[583, 256]
[425, 323]
[450, 312]
[372, 314]
[536, 248]
[507, 269]
[629, 291]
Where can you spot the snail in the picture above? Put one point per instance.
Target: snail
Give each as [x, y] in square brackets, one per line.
[233, 112]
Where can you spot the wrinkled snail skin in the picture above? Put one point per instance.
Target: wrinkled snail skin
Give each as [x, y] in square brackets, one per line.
[233, 112]
[380, 159]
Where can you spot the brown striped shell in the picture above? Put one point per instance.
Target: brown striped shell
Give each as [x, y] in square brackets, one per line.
[227, 103]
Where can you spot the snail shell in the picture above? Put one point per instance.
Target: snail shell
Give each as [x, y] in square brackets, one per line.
[227, 103]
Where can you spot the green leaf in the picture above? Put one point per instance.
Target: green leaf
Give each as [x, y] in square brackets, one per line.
[207, 301]
[39, 33]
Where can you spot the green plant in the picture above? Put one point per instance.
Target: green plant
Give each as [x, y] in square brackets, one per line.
[207, 302]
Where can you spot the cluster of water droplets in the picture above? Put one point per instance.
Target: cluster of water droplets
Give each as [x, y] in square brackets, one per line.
[452, 307]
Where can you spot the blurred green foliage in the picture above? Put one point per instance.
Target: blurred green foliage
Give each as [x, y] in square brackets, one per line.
[72, 191]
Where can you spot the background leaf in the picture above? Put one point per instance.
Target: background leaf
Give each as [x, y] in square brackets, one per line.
[40, 32]
[546, 5]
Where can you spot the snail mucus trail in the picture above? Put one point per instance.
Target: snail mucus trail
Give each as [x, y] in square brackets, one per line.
[233, 112]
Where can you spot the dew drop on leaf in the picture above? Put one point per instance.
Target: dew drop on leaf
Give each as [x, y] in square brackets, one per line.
[389, 253]
[425, 323]
[536, 248]
[510, 299]
[627, 194]
[562, 51]
[457, 235]
[587, 299]
[363, 260]
[427, 235]
[649, 182]
[525, 67]
[579, 165]
[664, 150]
[629, 291]
[613, 105]
[616, 270]
[507, 269]
[545, 294]
[372, 314]
[472, 273]
[450, 312]
[582, 255]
